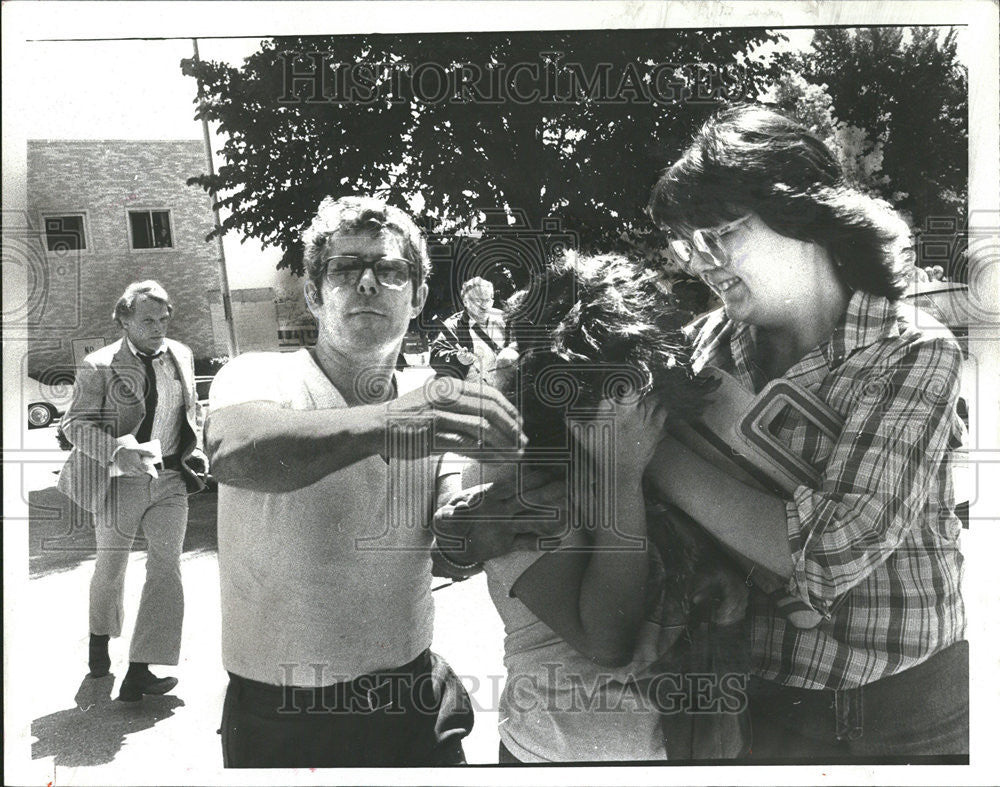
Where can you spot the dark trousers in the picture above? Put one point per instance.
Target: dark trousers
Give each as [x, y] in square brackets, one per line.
[504, 756]
[415, 715]
[921, 711]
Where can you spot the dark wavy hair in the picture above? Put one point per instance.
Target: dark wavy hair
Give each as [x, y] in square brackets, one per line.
[594, 327]
[751, 159]
[598, 326]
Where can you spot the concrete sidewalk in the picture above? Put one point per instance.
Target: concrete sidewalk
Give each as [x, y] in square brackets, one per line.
[81, 736]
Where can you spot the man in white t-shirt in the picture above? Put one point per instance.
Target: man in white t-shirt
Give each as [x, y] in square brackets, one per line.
[328, 476]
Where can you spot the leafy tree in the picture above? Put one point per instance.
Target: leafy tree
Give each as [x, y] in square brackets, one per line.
[612, 109]
[860, 156]
[907, 91]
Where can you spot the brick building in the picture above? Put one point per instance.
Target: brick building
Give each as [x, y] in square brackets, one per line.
[109, 212]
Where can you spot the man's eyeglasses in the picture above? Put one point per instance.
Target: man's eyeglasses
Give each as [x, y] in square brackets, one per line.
[705, 247]
[393, 273]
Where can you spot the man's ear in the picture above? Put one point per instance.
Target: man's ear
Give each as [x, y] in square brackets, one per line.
[313, 296]
[419, 299]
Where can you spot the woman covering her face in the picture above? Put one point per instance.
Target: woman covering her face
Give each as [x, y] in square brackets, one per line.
[608, 624]
[810, 285]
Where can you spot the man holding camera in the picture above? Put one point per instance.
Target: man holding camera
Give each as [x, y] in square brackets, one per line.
[475, 342]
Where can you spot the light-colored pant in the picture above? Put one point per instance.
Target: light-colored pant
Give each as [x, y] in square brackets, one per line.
[160, 505]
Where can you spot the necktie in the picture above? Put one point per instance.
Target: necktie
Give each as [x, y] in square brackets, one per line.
[146, 427]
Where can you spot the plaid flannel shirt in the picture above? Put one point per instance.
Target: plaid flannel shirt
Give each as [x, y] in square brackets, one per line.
[876, 545]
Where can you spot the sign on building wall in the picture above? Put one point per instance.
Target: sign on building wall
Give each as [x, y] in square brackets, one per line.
[84, 347]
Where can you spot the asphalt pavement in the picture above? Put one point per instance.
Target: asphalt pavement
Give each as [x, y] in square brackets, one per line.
[80, 735]
[73, 732]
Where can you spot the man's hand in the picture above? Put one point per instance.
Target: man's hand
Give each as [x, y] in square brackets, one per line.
[463, 416]
[131, 460]
[465, 357]
[507, 357]
[492, 519]
[197, 462]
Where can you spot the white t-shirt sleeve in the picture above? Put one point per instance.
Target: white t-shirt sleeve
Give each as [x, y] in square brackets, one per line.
[251, 377]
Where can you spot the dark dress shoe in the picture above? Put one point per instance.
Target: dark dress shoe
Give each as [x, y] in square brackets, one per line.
[99, 660]
[133, 688]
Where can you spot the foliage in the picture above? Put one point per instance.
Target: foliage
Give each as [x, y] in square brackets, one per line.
[204, 367]
[898, 104]
[473, 157]
[860, 156]
[589, 160]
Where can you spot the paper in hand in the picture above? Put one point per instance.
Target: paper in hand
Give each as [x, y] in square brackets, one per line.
[153, 446]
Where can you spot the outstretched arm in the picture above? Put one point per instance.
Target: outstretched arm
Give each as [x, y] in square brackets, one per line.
[265, 446]
[746, 519]
[874, 488]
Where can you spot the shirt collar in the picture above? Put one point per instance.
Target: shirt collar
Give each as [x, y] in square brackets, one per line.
[867, 319]
[321, 388]
[742, 345]
[139, 353]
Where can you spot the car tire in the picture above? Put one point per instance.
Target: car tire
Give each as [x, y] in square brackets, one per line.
[40, 415]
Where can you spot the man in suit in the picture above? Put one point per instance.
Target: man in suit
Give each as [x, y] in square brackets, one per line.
[474, 342]
[137, 390]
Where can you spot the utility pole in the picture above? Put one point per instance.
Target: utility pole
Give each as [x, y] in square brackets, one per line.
[227, 301]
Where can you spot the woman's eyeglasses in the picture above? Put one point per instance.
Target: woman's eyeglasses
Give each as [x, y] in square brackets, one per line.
[393, 273]
[705, 247]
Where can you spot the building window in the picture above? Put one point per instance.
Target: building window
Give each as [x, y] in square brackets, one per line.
[297, 337]
[150, 229]
[65, 233]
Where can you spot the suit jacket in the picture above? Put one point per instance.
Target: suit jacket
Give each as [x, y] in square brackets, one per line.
[455, 334]
[108, 403]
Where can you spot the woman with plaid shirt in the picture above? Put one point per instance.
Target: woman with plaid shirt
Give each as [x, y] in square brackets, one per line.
[805, 268]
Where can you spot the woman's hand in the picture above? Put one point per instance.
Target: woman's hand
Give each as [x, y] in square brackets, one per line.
[638, 430]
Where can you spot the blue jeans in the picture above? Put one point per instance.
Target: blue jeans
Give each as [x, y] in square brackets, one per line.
[919, 713]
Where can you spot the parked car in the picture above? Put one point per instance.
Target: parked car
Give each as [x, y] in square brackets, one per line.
[45, 403]
[202, 384]
[415, 349]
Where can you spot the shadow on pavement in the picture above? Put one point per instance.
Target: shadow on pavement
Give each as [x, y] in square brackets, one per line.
[93, 732]
[61, 534]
